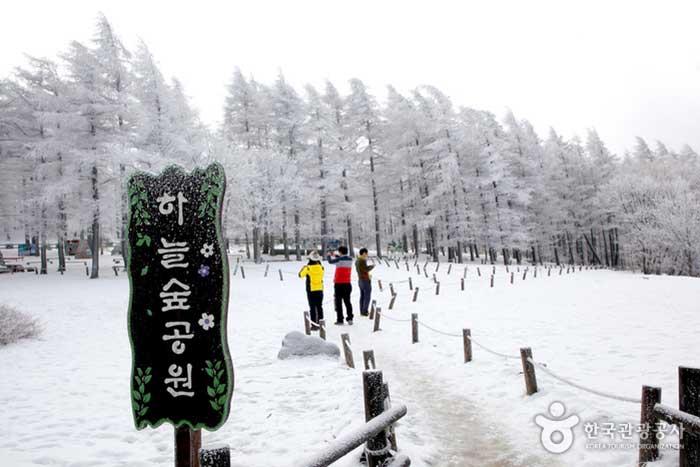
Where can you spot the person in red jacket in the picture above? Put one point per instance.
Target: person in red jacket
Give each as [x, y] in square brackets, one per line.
[342, 283]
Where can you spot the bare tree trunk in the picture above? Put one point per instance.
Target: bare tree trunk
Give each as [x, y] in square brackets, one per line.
[44, 265]
[567, 236]
[297, 240]
[42, 240]
[404, 237]
[247, 245]
[266, 242]
[324, 225]
[285, 240]
[416, 244]
[433, 244]
[377, 233]
[605, 247]
[122, 227]
[351, 247]
[256, 244]
[95, 238]
[348, 220]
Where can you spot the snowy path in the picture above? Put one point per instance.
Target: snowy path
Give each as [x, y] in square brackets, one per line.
[463, 436]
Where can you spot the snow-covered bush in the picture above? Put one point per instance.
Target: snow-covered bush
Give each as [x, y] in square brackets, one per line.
[16, 325]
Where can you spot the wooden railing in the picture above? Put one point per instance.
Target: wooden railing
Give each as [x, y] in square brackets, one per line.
[377, 433]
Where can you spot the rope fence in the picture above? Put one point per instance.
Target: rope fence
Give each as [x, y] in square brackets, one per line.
[466, 335]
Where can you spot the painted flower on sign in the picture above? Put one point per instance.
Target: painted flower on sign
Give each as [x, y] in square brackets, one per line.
[207, 250]
[203, 271]
[207, 321]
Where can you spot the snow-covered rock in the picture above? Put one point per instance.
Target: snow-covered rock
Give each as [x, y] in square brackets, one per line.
[297, 344]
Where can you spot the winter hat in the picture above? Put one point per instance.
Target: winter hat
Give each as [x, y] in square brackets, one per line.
[314, 256]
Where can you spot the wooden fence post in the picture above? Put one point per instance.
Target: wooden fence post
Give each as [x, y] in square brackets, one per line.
[377, 319]
[512, 274]
[391, 288]
[187, 444]
[415, 294]
[462, 282]
[478, 271]
[410, 284]
[437, 288]
[322, 329]
[219, 457]
[372, 309]
[492, 276]
[347, 351]
[414, 328]
[528, 371]
[379, 281]
[267, 268]
[449, 268]
[368, 356]
[648, 443]
[235, 269]
[391, 434]
[391, 302]
[437, 266]
[280, 271]
[467, 337]
[307, 323]
[377, 447]
[242, 272]
[196, 446]
[435, 279]
[465, 273]
[524, 274]
[689, 402]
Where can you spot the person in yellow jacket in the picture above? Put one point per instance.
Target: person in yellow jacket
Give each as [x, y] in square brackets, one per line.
[313, 272]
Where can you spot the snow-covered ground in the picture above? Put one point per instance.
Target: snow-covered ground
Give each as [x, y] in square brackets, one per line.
[65, 397]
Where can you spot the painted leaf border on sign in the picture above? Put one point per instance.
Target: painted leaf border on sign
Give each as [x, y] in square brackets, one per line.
[217, 390]
[215, 175]
[141, 398]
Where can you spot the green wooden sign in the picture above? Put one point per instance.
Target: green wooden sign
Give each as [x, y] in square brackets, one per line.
[179, 278]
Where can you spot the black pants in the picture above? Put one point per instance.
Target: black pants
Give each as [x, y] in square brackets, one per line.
[365, 296]
[315, 305]
[342, 295]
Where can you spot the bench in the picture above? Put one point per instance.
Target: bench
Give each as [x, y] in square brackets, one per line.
[84, 263]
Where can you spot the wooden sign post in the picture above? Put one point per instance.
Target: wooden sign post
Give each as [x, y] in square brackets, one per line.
[178, 270]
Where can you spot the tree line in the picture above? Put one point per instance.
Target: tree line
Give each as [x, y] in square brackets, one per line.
[410, 174]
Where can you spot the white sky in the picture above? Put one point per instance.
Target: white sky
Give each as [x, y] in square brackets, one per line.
[626, 68]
